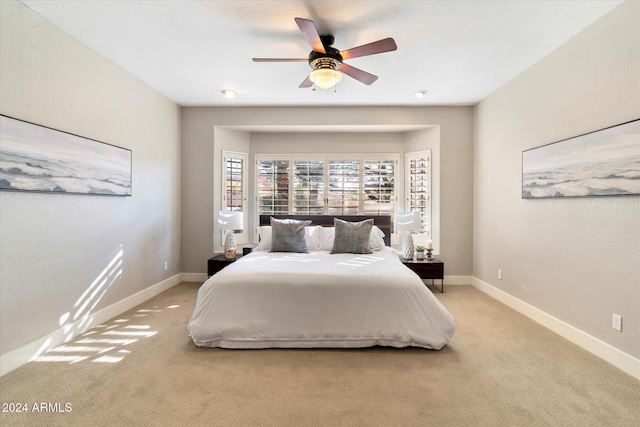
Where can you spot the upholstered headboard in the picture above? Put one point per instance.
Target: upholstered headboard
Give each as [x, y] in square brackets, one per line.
[383, 222]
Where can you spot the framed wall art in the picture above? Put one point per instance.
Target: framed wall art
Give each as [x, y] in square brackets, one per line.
[600, 163]
[41, 159]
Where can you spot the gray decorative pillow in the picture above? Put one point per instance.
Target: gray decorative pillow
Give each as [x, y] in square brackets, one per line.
[352, 237]
[288, 235]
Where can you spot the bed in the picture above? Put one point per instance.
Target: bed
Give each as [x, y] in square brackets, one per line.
[319, 299]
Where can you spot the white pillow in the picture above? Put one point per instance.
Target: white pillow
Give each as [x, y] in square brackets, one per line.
[265, 238]
[328, 235]
[312, 236]
[376, 241]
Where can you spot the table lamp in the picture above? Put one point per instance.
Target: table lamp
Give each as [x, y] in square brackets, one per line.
[230, 221]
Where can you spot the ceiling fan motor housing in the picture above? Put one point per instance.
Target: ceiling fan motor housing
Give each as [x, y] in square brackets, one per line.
[330, 59]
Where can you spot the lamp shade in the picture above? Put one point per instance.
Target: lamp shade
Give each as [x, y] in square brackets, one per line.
[407, 221]
[230, 220]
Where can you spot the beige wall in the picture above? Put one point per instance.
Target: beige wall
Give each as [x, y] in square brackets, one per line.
[575, 259]
[54, 246]
[202, 144]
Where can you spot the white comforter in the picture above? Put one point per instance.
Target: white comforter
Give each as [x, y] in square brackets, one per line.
[317, 299]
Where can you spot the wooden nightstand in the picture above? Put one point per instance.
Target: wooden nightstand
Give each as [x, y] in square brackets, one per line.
[217, 263]
[427, 269]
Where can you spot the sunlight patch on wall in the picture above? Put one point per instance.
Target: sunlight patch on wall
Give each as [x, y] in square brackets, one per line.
[64, 318]
[81, 317]
[98, 287]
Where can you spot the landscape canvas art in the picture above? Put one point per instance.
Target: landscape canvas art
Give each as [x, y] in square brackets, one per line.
[600, 163]
[38, 158]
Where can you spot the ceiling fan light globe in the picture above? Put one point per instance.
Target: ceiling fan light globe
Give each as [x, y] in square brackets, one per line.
[325, 77]
[229, 94]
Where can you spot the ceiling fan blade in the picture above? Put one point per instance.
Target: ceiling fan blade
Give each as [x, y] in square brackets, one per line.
[306, 83]
[310, 33]
[358, 74]
[280, 60]
[381, 46]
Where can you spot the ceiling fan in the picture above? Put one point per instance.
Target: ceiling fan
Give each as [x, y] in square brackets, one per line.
[327, 62]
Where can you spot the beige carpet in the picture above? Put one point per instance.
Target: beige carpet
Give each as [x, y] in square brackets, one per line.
[500, 369]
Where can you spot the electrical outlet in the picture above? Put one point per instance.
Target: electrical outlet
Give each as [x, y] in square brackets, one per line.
[500, 274]
[616, 322]
[166, 266]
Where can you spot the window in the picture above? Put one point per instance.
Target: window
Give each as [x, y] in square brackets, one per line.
[344, 187]
[379, 187]
[334, 185]
[418, 187]
[234, 191]
[308, 187]
[273, 187]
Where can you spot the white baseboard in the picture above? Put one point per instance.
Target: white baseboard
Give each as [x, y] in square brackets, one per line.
[617, 358]
[18, 357]
[194, 277]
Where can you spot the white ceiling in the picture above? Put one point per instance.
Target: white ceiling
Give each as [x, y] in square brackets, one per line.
[458, 51]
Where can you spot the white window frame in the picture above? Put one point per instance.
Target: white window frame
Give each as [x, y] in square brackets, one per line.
[396, 189]
[427, 216]
[344, 158]
[292, 162]
[271, 158]
[241, 236]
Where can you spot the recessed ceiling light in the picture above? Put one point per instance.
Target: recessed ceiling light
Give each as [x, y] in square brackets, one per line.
[421, 94]
[229, 93]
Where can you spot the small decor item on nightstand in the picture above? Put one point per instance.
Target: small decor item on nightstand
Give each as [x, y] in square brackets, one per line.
[407, 222]
[230, 221]
[429, 249]
[419, 252]
[247, 250]
[229, 252]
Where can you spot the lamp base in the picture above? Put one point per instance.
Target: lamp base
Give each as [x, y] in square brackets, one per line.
[407, 246]
[230, 245]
